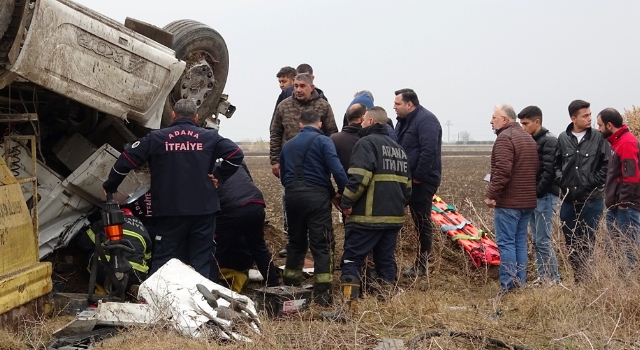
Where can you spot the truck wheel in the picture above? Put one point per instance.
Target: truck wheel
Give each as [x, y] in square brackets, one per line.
[205, 75]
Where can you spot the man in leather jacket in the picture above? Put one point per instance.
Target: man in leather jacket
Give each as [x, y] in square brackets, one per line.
[581, 170]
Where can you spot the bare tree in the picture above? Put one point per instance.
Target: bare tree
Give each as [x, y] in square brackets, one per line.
[464, 137]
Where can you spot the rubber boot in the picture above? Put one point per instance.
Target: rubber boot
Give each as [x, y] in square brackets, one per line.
[291, 277]
[350, 286]
[322, 294]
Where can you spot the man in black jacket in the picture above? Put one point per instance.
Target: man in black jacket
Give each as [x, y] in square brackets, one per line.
[581, 171]
[348, 137]
[373, 202]
[242, 216]
[420, 134]
[547, 193]
[181, 157]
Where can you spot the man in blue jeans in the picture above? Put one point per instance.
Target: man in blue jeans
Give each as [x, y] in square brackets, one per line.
[581, 169]
[512, 192]
[622, 189]
[547, 193]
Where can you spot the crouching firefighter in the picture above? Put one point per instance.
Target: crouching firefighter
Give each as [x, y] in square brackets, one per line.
[136, 234]
[373, 202]
[306, 162]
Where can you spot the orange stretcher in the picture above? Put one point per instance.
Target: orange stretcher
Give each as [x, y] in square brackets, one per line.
[480, 248]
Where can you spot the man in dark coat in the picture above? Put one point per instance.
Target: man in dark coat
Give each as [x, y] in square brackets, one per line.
[348, 137]
[420, 134]
[242, 216]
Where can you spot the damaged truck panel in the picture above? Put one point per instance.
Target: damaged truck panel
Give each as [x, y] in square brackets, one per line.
[22, 277]
[97, 62]
[64, 204]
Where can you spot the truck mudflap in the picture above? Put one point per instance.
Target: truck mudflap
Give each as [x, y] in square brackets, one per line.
[22, 277]
[97, 62]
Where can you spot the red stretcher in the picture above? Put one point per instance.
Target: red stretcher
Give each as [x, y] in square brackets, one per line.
[480, 248]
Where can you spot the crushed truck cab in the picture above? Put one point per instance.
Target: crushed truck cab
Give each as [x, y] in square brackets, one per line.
[75, 88]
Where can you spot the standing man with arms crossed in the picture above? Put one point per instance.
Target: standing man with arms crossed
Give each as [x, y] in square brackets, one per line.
[512, 194]
[622, 190]
[581, 170]
[185, 201]
[547, 193]
[307, 161]
[420, 134]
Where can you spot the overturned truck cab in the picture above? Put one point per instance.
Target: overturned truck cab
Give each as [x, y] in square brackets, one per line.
[75, 88]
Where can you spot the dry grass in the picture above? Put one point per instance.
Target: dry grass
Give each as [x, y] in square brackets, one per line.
[632, 118]
[605, 314]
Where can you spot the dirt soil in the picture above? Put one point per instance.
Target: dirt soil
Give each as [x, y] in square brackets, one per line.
[455, 296]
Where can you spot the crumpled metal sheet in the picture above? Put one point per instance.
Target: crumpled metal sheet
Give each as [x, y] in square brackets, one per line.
[171, 291]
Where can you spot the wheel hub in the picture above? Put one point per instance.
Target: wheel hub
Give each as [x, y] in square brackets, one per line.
[197, 82]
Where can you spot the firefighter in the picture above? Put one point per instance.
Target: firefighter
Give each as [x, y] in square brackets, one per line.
[240, 229]
[306, 162]
[373, 201]
[185, 201]
[135, 233]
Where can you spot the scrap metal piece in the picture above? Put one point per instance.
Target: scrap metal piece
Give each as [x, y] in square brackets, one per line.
[172, 292]
[83, 341]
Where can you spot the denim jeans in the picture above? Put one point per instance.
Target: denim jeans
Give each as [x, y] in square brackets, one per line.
[511, 237]
[623, 226]
[540, 227]
[579, 224]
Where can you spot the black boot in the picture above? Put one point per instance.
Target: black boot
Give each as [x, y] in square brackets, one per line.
[322, 294]
[419, 267]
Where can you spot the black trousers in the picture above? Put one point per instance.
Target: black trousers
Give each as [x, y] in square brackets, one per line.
[241, 230]
[359, 242]
[310, 226]
[420, 205]
[188, 238]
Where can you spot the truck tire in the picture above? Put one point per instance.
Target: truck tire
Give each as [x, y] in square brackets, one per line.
[6, 14]
[194, 41]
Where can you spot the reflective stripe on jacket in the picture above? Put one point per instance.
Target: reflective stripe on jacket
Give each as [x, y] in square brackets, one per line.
[379, 182]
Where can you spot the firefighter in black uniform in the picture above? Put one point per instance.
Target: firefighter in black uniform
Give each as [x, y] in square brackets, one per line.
[185, 200]
[133, 231]
[240, 228]
[306, 164]
[373, 201]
